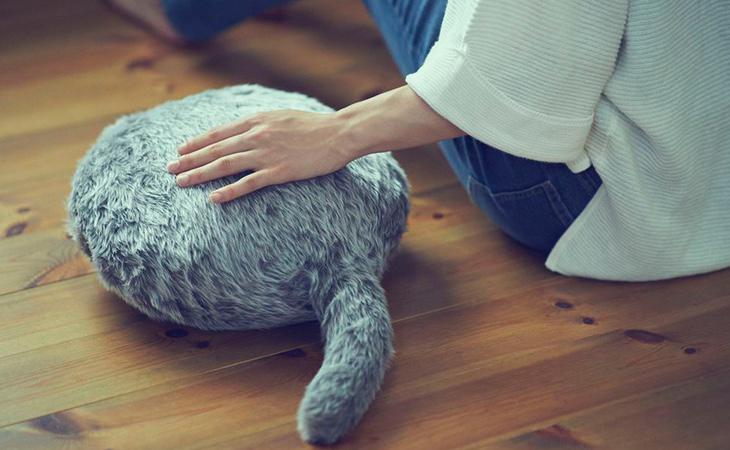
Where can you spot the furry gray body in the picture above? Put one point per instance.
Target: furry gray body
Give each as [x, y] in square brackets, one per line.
[308, 250]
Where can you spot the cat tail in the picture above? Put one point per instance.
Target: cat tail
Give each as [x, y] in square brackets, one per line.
[358, 347]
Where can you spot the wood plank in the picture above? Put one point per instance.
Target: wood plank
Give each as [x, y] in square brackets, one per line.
[506, 391]
[464, 374]
[36, 175]
[51, 315]
[671, 417]
[42, 258]
[338, 64]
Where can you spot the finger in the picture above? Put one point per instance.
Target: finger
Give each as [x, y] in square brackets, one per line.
[245, 185]
[214, 135]
[208, 154]
[228, 165]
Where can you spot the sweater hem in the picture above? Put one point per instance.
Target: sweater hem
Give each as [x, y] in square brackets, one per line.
[554, 259]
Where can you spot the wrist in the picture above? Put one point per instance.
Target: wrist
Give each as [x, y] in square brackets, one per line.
[350, 140]
[393, 120]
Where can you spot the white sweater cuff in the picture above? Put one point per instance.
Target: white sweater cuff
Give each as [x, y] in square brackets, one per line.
[466, 98]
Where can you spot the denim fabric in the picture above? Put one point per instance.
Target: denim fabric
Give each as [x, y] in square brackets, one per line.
[198, 20]
[531, 201]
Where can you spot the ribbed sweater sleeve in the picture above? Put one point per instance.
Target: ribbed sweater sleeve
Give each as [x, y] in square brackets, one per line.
[523, 76]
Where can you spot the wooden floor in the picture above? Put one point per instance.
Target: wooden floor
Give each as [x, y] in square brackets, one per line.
[494, 351]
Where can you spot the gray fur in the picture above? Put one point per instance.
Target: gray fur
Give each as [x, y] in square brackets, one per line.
[308, 250]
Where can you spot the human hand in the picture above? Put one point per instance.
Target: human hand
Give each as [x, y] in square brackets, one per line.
[288, 145]
[278, 146]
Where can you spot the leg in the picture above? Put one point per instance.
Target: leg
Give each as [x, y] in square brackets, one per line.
[532, 201]
[185, 21]
[198, 20]
[409, 28]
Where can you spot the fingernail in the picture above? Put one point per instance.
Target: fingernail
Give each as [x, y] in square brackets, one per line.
[182, 179]
[172, 165]
[216, 197]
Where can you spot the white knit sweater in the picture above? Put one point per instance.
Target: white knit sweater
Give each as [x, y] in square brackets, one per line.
[638, 88]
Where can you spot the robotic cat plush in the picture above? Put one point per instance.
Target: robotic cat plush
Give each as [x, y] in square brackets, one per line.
[308, 250]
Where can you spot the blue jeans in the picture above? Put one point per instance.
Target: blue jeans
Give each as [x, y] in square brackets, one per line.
[533, 202]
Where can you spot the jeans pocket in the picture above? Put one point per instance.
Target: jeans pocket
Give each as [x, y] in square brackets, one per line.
[535, 216]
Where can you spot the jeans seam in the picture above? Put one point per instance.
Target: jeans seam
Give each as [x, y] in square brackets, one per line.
[477, 150]
[557, 204]
[585, 179]
[552, 195]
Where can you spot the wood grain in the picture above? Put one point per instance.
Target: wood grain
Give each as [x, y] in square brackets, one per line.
[42, 258]
[671, 417]
[487, 368]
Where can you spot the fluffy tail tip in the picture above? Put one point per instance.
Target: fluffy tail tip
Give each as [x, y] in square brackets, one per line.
[333, 404]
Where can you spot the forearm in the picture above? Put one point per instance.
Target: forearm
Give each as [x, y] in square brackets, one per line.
[393, 120]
